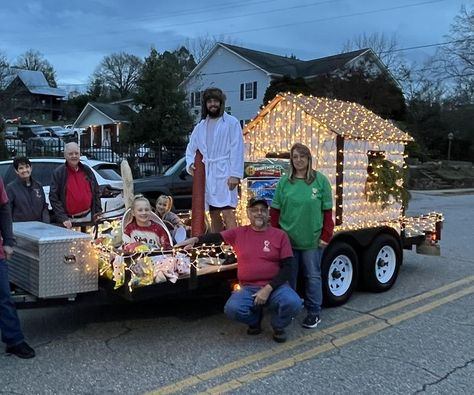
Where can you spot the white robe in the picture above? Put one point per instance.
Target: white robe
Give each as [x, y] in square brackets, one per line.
[224, 159]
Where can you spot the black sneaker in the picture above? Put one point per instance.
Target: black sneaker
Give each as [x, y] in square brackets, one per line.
[22, 350]
[254, 330]
[311, 321]
[279, 335]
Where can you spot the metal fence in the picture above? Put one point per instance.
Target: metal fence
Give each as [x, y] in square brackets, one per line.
[144, 159]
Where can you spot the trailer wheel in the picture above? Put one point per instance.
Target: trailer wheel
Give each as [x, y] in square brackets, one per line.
[339, 273]
[381, 263]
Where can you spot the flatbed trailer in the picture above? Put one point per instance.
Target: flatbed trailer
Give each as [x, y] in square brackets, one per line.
[361, 154]
[61, 266]
[54, 265]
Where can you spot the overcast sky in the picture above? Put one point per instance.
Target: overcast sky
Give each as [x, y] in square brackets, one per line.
[74, 35]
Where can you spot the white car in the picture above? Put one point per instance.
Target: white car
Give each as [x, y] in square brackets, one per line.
[75, 131]
[107, 176]
[145, 151]
[102, 154]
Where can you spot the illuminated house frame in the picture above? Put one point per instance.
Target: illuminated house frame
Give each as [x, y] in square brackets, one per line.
[340, 136]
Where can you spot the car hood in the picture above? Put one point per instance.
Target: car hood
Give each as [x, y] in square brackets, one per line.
[153, 180]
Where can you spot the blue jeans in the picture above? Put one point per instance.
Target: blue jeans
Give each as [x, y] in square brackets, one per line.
[9, 322]
[309, 262]
[284, 304]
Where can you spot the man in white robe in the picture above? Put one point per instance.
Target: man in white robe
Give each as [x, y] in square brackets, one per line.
[218, 136]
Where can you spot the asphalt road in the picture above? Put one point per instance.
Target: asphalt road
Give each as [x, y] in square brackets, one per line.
[416, 338]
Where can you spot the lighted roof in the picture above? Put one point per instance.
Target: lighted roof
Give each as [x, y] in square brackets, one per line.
[348, 119]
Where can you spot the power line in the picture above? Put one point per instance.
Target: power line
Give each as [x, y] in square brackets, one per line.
[333, 57]
[428, 45]
[325, 19]
[252, 13]
[336, 17]
[306, 22]
[157, 17]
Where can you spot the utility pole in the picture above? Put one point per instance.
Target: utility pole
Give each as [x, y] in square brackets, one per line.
[450, 140]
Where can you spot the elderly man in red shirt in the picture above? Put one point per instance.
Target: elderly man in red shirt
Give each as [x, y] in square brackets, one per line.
[74, 192]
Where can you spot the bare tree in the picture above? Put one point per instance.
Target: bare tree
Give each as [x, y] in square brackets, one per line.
[456, 59]
[34, 60]
[119, 72]
[385, 47]
[199, 47]
[4, 70]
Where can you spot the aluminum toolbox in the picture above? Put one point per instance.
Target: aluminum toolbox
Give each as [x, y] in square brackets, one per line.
[50, 261]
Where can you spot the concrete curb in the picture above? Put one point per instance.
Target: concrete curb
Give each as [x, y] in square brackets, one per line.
[459, 191]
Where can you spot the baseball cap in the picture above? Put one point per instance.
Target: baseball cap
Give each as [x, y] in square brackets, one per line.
[257, 200]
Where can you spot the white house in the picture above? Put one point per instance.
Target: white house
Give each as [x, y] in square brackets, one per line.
[244, 74]
[103, 122]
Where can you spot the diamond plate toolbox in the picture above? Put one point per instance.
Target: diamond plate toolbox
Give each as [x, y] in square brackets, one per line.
[50, 261]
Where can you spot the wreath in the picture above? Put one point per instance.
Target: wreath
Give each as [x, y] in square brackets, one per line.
[386, 183]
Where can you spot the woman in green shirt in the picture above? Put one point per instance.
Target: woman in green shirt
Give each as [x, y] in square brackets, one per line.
[302, 207]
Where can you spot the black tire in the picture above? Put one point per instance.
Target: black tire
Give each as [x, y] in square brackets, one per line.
[339, 272]
[381, 263]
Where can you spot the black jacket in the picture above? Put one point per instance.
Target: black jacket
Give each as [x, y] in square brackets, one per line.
[6, 229]
[57, 192]
[27, 203]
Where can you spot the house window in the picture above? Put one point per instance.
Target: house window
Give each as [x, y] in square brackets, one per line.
[243, 123]
[248, 91]
[196, 99]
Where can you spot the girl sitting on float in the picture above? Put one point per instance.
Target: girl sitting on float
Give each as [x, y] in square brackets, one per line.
[163, 209]
[141, 226]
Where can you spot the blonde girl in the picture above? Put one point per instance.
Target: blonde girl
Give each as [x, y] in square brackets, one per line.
[142, 228]
[163, 210]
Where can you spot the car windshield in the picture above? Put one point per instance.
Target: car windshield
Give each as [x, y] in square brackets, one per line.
[109, 172]
[38, 129]
[174, 168]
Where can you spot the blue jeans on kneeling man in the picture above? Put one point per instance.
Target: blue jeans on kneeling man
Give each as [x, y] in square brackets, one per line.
[283, 303]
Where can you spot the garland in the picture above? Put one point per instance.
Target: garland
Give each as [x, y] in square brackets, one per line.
[386, 183]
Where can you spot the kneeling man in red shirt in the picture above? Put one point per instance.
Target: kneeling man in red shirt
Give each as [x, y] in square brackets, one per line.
[265, 260]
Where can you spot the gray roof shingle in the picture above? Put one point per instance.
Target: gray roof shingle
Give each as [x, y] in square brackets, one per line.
[116, 112]
[275, 64]
[36, 83]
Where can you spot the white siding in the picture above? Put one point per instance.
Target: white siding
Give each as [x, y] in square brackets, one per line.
[227, 71]
[94, 118]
